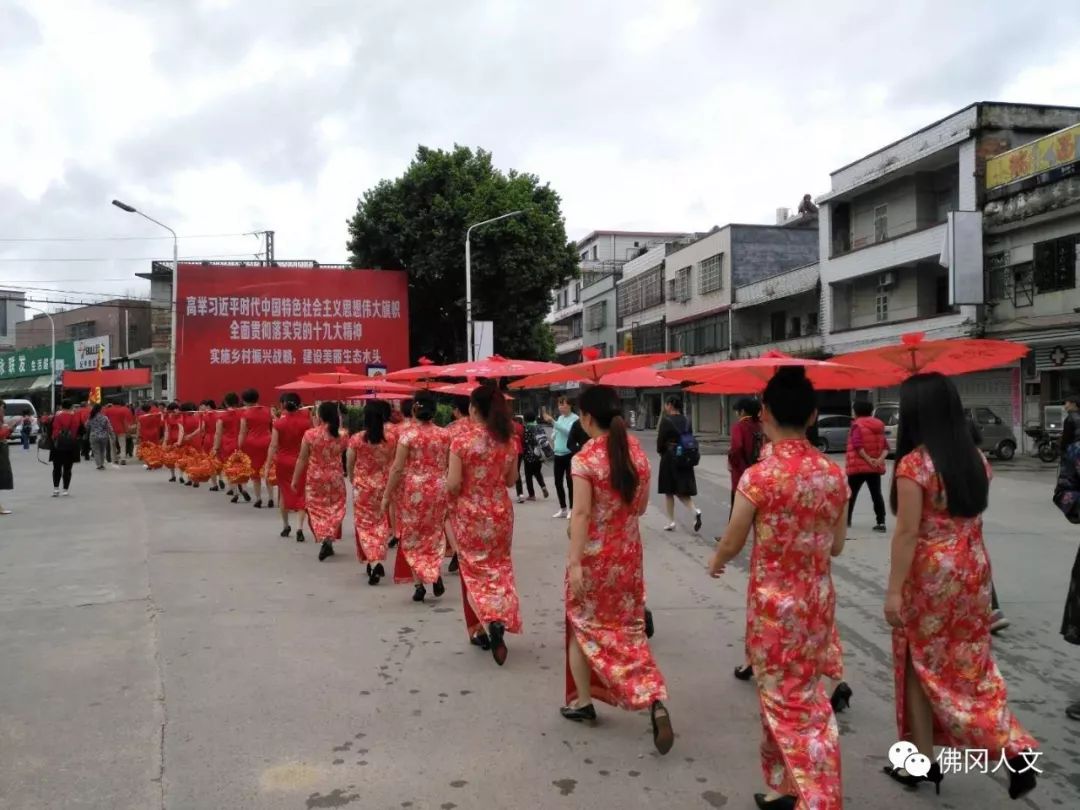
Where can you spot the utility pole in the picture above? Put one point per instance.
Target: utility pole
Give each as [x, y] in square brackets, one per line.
[268, 246]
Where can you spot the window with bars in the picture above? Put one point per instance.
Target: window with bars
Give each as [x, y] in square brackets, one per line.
[641, 293]
[1055, 264]
[701, 337]
[711, 274]
[596, 316]
[647, 339]
[679, 287]
[881, 223]
[82, 330]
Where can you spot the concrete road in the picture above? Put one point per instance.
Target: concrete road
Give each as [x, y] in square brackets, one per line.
[162, 648]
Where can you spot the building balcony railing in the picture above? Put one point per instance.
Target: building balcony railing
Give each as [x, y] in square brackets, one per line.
[801, 346]
[907, 249]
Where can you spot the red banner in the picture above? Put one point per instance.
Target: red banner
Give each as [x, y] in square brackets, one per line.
[108, 378]
[260, 327]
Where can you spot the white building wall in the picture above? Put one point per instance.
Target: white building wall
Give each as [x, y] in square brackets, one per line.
[10, 313]
[691, 256]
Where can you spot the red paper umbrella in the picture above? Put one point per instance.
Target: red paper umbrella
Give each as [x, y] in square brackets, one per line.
[592, 370]
[375, 385]
[646, 377]
[369, 395]
[915, 355]
[425, 370]
[750, 376]
[335, 377]
[496, 366]
[464, 389]
[310, 390]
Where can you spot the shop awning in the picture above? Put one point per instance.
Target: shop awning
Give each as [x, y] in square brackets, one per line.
[41, 383]
[16, 385]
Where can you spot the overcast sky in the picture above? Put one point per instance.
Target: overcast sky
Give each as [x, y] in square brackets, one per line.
[221, 117]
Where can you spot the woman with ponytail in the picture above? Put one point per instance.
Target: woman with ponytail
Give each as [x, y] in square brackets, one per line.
[483, 463]
[285, 444]
[795, 499]
[324, 490]
[371, 454]
[420, 469]
[607, 653]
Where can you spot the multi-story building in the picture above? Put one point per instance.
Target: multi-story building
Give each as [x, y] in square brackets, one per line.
[603, 254]
[11, 312]
[883, 228]
[780, 313]
[1032, 235]
[124, 321]
[700, 277]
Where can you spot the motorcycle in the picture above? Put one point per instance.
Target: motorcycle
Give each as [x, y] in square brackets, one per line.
[1047, 443]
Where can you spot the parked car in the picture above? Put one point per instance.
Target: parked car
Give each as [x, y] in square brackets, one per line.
[832, 433]
[13, 414]
[998, 438]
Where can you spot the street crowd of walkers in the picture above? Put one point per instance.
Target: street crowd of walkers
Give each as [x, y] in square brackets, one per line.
[444, 493]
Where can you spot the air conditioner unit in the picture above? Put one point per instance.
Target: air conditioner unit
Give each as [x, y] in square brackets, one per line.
[887, 279]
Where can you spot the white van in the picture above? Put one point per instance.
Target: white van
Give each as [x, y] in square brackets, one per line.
[13, 414]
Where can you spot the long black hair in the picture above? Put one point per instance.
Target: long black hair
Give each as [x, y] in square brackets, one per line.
[491, 405]
[331, 417]
[424, 406]
[601, 402]
[290, 401]
[932, 416]
[375, 422]
[790, 397]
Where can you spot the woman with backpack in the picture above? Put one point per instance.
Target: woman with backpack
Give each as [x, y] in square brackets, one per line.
[533, 442]
[66, 426]
[677, 460]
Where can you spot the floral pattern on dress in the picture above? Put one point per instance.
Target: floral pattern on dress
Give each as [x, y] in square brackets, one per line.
[946, 615]
[421, 504]
[609, 622]
[370, 473]
[324, 493]
[291, 428]
[482, 518]
[791, 640]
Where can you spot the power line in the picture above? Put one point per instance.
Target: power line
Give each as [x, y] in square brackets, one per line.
[132, 258]
[22, 287]
[122, 238]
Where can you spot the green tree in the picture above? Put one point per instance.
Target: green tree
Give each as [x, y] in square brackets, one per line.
[417, 223]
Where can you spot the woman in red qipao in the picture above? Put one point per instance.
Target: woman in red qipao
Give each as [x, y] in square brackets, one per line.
[255, 428]
[796, 501]
[370, 456]
[460, 422]
[483, 463]
[150, 431]
[171, 444]
[949, 691]
[324, 490]
[607, 652]
[285, 444]
[190, 440]
[227, 447]
[420, 468]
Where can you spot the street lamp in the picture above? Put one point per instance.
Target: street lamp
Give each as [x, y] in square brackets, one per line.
[468, 281]
[52, 365]
[176, 268]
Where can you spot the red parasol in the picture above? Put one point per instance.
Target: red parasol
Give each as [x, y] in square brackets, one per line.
[751, 375]
[424, 370]
[464, 389]
[645, 377]
[336, 377]
[592, 370]
[366, 395]
[915, 355]
[310, 389]
[495, 366]
[375, 384]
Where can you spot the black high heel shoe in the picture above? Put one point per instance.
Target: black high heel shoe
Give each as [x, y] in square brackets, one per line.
[299, 535]
[841, 697]
[235, 499]
[244, 494]
[650, 628]
[1021, 777]
[744, 673]
[258, 504]
[579, 713]
[481, 640]
[380, 572]
[662, 733]
[498, 646]
[419, 593]
[453, 567]
[438, 588]
[372, 577]
[935, 776]
[270, 504]
[287, 531]
[327, 550]
[393, 542]
[779, 803]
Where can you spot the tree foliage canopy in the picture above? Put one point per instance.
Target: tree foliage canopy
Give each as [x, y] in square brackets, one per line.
[417, 223]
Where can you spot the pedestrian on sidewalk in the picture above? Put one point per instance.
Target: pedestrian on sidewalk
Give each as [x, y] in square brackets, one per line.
[67, 428]
[1067, 499]
[607, 652]
[120, 418]
[867, 450]
[482, 466]
[101, 434]
[949, 690]
[26, 427]
[794, 499]
[747, 439]
[561, 428]
[534, 455]
[319, 471]
[7, 479]
[676, 479]
[370, 457]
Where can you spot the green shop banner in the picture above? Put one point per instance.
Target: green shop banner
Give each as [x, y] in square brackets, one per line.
[37, 361]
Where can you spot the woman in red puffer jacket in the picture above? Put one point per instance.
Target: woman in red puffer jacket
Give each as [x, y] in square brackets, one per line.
[867, 449]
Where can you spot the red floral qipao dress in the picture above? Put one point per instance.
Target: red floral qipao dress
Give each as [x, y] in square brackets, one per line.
[482, 517]
[325, 489]
[370, 473]
[291, 427]
[609, 622]
[421, 505]
[946, 614]
[791, 640]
